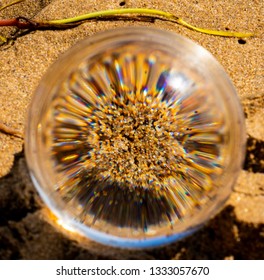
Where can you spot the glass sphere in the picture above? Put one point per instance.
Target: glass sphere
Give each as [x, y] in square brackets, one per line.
[135, 137]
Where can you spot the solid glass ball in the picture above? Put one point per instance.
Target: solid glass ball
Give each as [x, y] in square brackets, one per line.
[135, 137]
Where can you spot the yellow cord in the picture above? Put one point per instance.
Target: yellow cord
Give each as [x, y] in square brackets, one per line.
[153, 12]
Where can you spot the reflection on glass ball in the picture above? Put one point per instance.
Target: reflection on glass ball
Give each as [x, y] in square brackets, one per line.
[135, 137]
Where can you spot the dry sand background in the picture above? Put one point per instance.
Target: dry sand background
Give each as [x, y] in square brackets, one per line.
[237, 232]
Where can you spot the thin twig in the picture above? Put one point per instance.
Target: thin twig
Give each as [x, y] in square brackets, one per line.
[10, 4]
[8, 130]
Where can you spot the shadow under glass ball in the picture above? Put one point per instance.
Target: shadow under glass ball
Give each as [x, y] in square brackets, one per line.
[136, 137]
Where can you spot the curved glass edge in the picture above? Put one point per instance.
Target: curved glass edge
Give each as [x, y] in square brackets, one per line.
[111, 240]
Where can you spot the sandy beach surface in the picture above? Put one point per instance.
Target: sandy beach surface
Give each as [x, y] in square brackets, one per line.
[237, 232]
